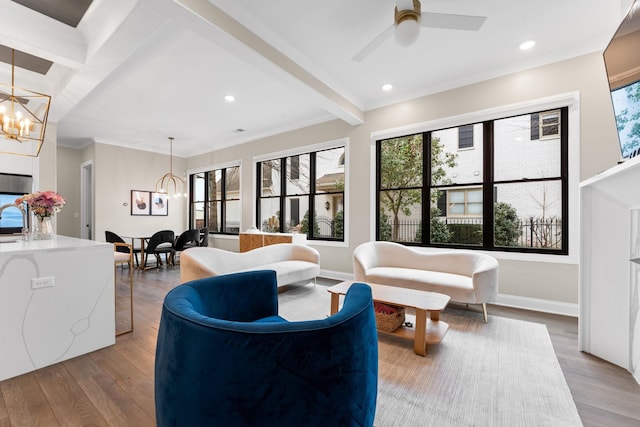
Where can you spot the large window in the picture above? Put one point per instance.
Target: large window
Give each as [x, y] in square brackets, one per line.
[303, 193]
[215, 200]
[510, 192]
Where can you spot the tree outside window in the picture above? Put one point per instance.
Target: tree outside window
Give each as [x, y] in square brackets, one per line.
[401, 184]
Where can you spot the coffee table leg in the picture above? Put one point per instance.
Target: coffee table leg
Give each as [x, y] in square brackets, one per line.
[419, 343]
[435, 328]
[335, 300]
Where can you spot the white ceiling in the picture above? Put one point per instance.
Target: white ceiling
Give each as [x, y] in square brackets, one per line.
[134, 73]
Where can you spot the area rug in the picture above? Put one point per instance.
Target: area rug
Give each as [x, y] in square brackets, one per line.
[500, 373]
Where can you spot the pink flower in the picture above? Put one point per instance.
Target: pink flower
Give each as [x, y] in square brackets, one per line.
[43, 203]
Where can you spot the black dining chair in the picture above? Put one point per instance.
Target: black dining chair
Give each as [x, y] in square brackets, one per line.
[161, 242]
[187, 239]
[204, 237]
[111, 237]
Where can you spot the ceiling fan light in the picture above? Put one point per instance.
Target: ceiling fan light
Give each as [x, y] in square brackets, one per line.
[407, 32]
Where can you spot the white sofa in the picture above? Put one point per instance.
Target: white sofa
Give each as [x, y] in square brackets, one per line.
[466, 276]
[291, 262]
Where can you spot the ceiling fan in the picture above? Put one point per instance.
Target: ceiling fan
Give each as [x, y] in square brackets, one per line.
[408, 19]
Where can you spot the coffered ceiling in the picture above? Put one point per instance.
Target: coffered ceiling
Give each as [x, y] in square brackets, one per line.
[133, 72]
[68, 12]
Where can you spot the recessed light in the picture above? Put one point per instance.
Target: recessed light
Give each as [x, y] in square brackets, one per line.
[387, 87]
[229, 98]
[527, 45]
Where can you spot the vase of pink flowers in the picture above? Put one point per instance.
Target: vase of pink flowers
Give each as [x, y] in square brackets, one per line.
[43, 204]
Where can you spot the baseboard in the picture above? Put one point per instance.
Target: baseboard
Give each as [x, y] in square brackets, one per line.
[526, 303]
[536, 304]
[336, 275]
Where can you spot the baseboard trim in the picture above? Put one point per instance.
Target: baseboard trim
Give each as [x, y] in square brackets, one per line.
[514, 301]
[336, 275]
[536, 304]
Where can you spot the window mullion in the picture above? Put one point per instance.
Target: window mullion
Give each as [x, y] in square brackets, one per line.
[312, 192]
[564, 167]
[426, 188]
[283, 193]
[487, 185]
[223, 209]
[206, 198]
[258, 193]
[378, 186]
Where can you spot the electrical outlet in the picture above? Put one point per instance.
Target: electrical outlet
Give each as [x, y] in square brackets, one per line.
[42, 282]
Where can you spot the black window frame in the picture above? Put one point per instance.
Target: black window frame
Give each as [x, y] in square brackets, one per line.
[207, 202]
[489, 186]
[284, 196]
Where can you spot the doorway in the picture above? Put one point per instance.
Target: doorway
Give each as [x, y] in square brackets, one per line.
[86, 200]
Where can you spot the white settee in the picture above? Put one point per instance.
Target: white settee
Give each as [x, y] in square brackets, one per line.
[291, 262]
[466, 276]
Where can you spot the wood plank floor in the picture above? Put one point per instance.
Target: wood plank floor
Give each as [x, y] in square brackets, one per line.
[114, 386]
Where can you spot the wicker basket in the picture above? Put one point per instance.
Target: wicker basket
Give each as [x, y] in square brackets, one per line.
[388, 317]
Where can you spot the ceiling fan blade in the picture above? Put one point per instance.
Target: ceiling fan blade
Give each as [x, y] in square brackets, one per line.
[374, 44]
[452, 22]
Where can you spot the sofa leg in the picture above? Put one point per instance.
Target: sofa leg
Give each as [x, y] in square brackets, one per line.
[484, 312]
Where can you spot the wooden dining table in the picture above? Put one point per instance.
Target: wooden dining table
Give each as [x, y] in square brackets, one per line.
[143, 241]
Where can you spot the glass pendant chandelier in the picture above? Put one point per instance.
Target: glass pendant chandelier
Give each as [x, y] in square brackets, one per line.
[23, 118]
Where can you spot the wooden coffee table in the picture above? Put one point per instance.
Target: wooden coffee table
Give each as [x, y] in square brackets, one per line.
[429, 330]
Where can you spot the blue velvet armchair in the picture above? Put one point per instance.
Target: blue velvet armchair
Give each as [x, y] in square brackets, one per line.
[225, 358]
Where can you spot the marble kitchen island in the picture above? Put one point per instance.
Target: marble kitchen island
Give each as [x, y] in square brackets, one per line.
[56, 301]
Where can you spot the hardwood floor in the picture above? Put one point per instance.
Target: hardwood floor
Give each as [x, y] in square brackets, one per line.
[114, 386]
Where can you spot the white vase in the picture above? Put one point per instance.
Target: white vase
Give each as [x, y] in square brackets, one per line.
[43, 229]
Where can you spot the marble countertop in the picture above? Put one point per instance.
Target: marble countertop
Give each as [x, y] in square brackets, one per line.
[16, 243]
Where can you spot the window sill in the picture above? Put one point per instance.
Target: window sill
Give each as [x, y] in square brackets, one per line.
[515, 256]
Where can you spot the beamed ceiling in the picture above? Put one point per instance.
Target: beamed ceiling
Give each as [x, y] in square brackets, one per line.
[133, 72]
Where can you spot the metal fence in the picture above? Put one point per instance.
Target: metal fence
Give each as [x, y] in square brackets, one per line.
[325, 225]
[407, 230]
[535, 232]
[541, 233]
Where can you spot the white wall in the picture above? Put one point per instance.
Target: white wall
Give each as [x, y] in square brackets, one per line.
[68, 176]
[117, 171]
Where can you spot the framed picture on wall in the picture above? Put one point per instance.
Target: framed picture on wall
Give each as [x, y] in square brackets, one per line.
[140, 202]
[159, 204]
